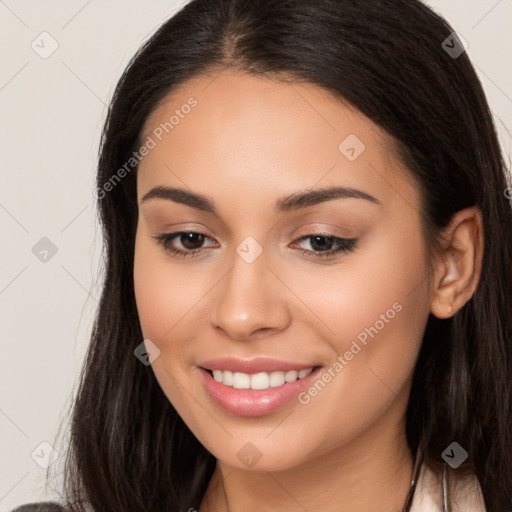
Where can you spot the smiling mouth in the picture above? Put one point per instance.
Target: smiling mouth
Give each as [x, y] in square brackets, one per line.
[260, 380]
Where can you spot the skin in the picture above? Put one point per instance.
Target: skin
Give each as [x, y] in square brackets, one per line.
[249, 142]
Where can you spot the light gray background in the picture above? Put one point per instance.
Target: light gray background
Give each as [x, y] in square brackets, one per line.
[51, 113]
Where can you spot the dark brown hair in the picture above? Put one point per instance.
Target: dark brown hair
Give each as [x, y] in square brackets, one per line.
[129, 449]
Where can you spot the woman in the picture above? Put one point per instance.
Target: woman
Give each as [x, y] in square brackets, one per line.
[307, 293]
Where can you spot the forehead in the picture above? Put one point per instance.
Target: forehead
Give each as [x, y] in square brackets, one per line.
[253, 131]
[239, 100]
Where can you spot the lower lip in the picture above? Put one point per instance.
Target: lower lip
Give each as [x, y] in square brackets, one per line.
[254, 402]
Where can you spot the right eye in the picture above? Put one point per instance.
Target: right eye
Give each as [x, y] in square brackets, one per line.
[191, 243]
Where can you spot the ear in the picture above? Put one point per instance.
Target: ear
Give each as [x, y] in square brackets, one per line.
[458, 267]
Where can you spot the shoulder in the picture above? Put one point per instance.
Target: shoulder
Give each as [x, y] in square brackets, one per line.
[463, 493]
[42, 506]
[468, 494]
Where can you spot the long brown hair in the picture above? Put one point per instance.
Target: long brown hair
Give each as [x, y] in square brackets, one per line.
[129, 449]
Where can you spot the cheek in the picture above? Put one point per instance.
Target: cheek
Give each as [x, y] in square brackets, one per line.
[376, 314]
[163, 292]
[388, 273]
[374, 311]
[166, 298]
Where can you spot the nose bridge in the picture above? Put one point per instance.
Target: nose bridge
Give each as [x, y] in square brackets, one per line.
[247, 299]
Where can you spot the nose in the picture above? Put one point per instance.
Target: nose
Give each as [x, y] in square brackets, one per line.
[249, 302]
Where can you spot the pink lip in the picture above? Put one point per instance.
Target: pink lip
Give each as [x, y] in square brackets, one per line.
[252, 402]
[255, 365]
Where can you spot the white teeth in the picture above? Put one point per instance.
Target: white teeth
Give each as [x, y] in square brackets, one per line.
[241, 380]
[227, 378]
[276, 379]
[305, 373]
[291, 376]
[262, 380]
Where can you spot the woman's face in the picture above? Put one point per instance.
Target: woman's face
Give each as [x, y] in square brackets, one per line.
[274, 275]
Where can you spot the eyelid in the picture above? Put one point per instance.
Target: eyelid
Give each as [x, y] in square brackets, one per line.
[327, 229]
[344, 245]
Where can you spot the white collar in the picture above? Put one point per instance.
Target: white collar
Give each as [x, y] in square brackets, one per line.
[463, 494]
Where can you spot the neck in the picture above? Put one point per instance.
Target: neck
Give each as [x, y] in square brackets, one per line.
[373, 472]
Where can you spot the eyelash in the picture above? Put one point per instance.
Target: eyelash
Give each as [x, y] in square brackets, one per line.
[344, 245]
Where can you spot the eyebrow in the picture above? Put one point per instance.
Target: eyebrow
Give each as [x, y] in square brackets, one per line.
[296, 201]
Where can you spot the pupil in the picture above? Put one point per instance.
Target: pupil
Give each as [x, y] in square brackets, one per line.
[195, 240]
[321, 246]
[192, 240]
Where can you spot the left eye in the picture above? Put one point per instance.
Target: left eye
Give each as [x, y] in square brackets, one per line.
[322, 245]
[320, 242]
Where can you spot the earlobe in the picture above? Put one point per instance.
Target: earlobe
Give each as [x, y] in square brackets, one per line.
[458, 268]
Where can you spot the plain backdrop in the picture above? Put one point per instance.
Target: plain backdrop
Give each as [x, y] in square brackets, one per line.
[51, 112]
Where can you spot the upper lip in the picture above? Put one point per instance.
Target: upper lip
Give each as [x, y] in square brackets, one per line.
[255, 365]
